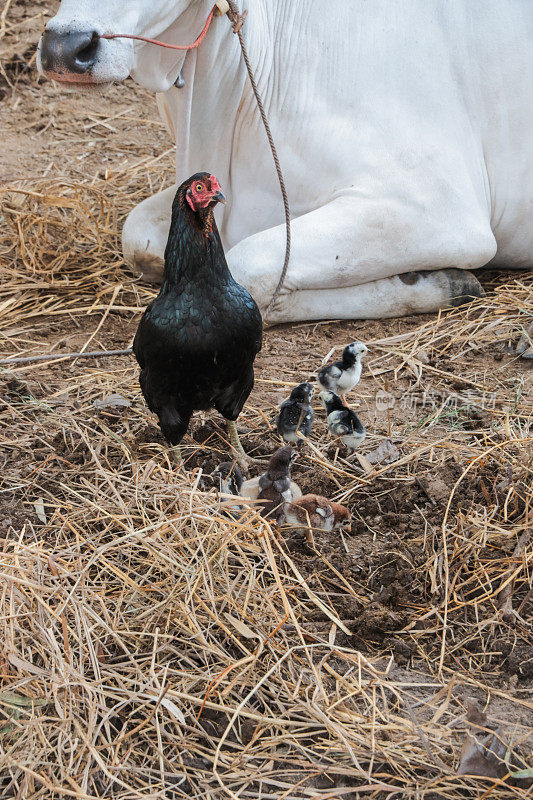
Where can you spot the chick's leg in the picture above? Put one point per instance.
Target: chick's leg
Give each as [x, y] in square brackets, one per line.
[242, 458]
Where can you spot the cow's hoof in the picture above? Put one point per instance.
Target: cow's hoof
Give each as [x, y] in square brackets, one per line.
[463, 286]
[524, 347]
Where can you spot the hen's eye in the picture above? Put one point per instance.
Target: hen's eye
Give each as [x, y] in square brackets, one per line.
[199, 187]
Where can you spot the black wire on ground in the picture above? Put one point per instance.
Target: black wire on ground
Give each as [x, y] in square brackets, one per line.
[6, 362]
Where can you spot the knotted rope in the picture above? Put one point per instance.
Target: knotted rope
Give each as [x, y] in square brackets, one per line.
[192, 46]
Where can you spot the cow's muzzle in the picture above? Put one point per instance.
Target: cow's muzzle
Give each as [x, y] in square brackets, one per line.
[69, 55]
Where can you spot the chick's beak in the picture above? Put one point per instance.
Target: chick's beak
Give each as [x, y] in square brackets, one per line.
[219, 197]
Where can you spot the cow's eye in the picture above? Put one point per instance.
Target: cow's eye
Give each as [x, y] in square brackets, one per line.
[199, 187]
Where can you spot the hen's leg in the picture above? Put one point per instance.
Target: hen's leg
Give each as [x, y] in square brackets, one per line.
[242, 458]
[176, 458]
[174, 424]
[229, 404]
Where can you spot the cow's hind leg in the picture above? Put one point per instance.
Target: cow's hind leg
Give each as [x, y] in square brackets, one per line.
[401, 295]
[345, 256]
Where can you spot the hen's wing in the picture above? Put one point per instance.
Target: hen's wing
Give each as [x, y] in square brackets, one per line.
[138, 342]
[153, 350]
[235, 361]
[150, 348]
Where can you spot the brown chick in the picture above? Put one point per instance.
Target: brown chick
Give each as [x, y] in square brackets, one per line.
[314, 512]
[310, 510]
[275, 483]
[342, 516]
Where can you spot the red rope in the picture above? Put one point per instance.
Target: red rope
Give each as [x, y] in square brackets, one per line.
[192, 46]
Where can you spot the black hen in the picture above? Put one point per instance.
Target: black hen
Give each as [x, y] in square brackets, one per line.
[197, 341]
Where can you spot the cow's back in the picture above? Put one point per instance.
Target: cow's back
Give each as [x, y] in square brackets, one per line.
[423, 104]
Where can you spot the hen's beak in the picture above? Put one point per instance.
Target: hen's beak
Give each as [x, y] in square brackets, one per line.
[219, 197]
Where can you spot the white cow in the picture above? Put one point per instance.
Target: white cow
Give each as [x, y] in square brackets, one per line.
[404, 128]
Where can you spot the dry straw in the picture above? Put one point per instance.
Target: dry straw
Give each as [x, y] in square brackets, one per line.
[155, 647]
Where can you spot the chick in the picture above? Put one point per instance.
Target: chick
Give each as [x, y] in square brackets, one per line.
[342, 421]
[250, 489]
[318, 512]
[310, 510]
[275, 483]
[314, 512]
[228, 478]
[341, 376]
[296, 415]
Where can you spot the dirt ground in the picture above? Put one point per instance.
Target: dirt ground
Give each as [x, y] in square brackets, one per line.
[375, 643]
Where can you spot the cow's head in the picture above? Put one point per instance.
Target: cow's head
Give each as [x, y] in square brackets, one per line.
[72, 52]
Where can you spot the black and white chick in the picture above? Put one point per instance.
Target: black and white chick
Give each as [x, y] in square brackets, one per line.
[342, 421]
[296, 414]
[342, 376]
[275, 484]
[228, 478]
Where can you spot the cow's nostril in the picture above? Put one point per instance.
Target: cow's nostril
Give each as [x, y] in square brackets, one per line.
[69, 52]
[86, 57]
